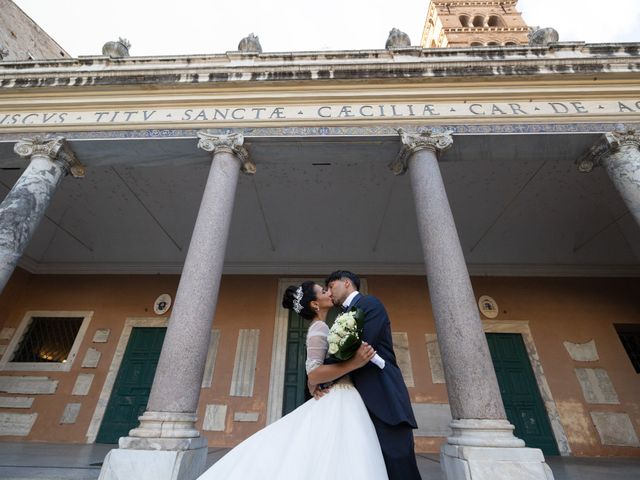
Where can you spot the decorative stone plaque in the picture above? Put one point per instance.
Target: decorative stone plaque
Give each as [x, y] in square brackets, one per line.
[488, 306]
[246, 416]
[435, 359]
[28, 385]
[596, 386]
[16, 402]
[91, 358]
[403, 356]
[17, 424]
[162, 304]
[615, 429]
[83, 384]
[582, 352]
[214, 418]
[70, 413]
[101, 335]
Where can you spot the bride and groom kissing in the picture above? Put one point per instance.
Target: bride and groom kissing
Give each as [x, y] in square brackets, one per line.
[359, 423]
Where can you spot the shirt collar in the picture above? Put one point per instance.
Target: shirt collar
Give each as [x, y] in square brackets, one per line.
[349, 299]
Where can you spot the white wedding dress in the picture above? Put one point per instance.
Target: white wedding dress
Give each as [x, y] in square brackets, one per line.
[332, 437]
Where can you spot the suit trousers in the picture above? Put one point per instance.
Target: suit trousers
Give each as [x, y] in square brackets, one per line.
[396, 442]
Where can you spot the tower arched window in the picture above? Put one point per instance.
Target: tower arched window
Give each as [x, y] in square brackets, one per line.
[478, 21]
[476, 44]
[465, 21]
[495, 21]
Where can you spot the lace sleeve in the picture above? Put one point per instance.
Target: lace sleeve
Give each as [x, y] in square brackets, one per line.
[316, 345]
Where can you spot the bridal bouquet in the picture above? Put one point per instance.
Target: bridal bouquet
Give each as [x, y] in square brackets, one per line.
[345, 336]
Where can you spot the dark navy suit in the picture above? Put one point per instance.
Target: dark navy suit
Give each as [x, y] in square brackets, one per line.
[385, 394]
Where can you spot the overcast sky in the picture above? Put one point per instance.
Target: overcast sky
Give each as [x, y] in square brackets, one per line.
[169, 27]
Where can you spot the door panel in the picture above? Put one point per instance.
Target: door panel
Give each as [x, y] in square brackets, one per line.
[133, 384]
[522, 401]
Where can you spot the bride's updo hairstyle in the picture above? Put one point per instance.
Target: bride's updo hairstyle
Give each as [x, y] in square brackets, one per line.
[299, 298]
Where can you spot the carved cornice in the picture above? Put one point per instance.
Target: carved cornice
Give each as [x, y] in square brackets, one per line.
[412, 143]
[232, 143]
[56, 149]
[609, 144]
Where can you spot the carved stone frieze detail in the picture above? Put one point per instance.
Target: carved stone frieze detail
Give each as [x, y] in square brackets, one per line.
[232, 143]
[57, 149]
[609, 144]
[414, 142]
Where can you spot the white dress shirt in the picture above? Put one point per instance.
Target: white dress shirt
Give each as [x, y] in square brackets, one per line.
[349, 299]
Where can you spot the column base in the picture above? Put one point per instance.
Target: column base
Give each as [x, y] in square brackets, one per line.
[488, 450]
[166, 446]
[173, 425]
[127, 464]
[493, 463]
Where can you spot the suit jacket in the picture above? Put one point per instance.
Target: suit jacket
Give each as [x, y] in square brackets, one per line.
[383, 391]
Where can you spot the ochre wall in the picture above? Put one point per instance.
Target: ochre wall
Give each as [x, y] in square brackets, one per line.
[557, 309]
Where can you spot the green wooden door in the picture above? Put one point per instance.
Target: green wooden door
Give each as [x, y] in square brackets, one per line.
[133, 384]
[295, 375]
[520, 394]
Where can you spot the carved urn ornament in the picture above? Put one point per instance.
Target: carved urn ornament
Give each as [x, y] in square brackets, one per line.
[397, 39]
[3, 52]
[543, 36]
[119, 49]
[250, 43]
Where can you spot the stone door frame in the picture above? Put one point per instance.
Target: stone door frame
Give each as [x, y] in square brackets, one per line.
[522, 327]
[114, 368]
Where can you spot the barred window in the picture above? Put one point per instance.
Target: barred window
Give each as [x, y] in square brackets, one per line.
[629, 334]
[48, 339]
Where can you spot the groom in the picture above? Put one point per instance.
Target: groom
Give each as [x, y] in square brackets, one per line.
[383, 391]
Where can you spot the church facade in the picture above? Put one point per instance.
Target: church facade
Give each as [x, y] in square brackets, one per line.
[155, 209]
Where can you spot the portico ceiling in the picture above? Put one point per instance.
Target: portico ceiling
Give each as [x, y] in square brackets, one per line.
[520, 205]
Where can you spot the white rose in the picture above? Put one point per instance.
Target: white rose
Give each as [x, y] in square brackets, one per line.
[332, 338]
[333, 348]
[351, 322]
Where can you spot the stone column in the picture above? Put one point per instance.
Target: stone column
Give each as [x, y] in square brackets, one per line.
[481, 432]
[23, 208]
[168, 424]
[619, 153]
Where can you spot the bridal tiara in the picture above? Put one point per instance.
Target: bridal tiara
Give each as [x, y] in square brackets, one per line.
[297, 307]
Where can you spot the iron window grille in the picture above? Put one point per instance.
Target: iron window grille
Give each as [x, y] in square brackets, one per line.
[48, 340]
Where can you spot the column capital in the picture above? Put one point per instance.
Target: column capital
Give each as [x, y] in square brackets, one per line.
[56, 149]
[414, 142]
[609, 144]
[232, 143]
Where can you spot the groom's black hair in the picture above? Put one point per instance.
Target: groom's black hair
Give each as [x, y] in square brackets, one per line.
[340, 274]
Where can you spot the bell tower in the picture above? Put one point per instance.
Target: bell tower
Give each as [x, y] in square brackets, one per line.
[465, 23]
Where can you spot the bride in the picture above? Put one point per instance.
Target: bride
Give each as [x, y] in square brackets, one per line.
[331, 436]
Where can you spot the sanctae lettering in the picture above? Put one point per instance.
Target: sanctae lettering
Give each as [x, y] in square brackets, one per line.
[348, 112]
